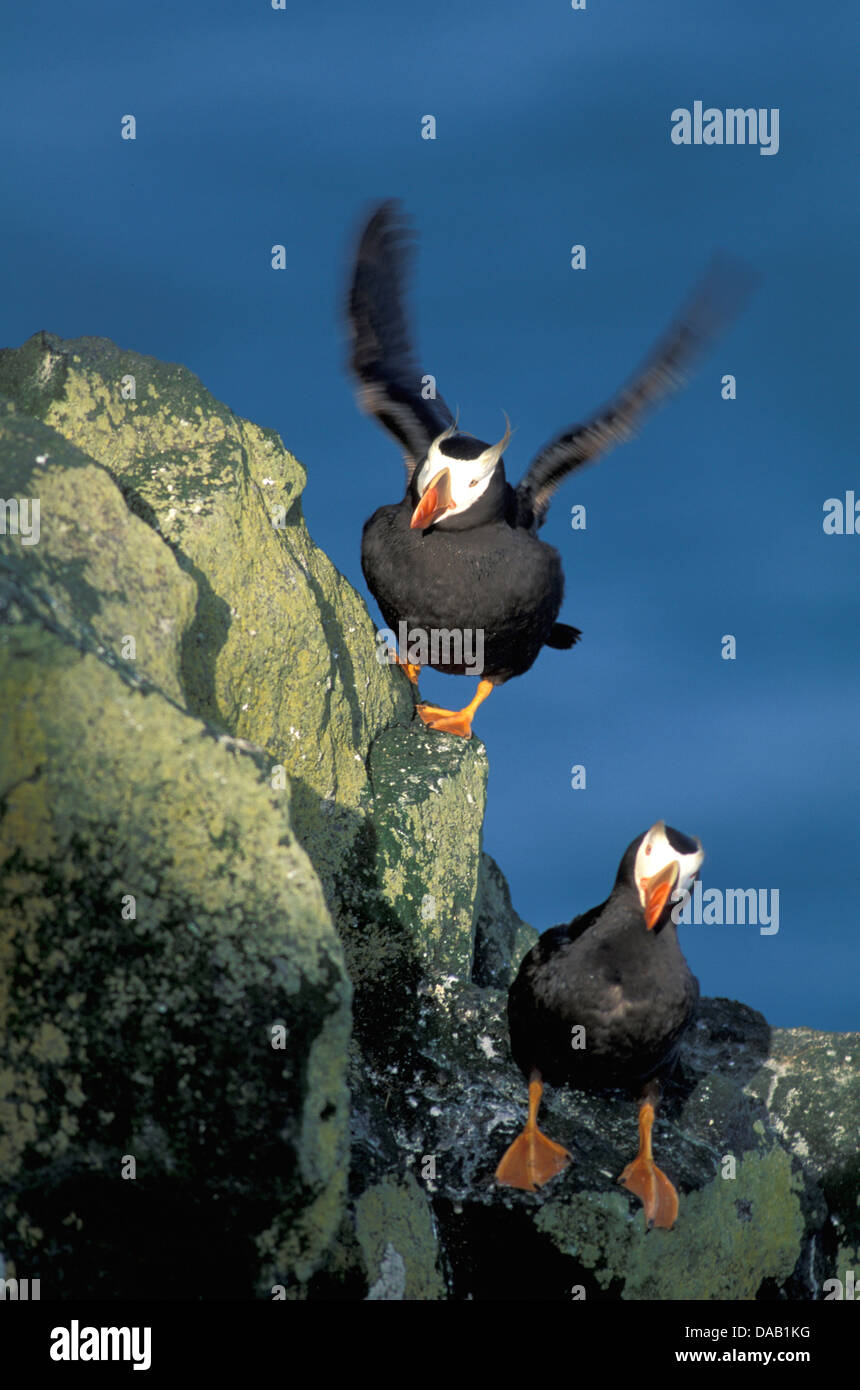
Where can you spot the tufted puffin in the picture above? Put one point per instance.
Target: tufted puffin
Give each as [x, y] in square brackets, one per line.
[460, 554]
[604, 1001]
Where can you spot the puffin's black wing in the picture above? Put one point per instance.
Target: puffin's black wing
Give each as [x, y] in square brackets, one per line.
[713, 304]
[389, 381]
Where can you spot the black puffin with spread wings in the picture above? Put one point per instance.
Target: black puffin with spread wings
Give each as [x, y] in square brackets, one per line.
[460, 554]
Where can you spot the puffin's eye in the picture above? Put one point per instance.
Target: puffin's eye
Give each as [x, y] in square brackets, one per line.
[647, 849]
[474, 482]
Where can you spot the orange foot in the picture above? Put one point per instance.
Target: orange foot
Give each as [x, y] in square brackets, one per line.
[531, 1161]
[650, 1183]
[643, 1177]
[413, 672]
[449, 721]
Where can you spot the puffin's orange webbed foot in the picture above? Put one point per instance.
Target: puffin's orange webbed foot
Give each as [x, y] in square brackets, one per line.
[449, 721]
[531, 1161]
[658, 1196]
[446, 721]
[644, 1178]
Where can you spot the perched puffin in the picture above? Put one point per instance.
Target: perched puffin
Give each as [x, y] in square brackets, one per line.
[460, 553]
[617, 973]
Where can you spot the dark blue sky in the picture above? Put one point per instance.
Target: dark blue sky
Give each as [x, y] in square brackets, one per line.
[257, 126]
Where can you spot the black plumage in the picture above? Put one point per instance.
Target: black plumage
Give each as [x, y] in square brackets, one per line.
[494, 577]
[474, 561]
[604, 1001]
[628, 986]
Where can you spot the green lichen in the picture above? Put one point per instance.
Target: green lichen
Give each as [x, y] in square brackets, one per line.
[281, 650]
[165, 1009]
[97, 573]
[729, 1237]
[429, 794]
[394, 1227]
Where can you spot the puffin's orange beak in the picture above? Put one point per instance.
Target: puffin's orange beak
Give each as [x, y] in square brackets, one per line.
[657, 891]
[435, 502]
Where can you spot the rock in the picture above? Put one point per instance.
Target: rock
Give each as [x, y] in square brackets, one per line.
[281, 650]
[146, 678]
[395, 1231]
[222, 827]
[97, 574]
[151, 1035]
[429, 795]
[757, 1218]
[281, 647]
[157, 920]
[502, 938]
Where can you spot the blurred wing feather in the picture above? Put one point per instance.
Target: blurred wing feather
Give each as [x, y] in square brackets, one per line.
[388, 380]
[713, 305]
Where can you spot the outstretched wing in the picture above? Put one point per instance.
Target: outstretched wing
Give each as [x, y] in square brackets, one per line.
[713, 304]
[389, 381]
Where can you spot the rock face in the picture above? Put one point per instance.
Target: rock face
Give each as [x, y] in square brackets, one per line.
[769, 1203]
[253, 960]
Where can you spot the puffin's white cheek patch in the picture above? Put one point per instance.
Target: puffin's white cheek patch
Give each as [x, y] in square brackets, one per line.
[464, 491]
[655, 853]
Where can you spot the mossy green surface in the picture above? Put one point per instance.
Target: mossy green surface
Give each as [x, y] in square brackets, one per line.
[281, 650]
[429, 792]
[253, 723]
[168, 520]
[730, 1236]
[394, 1227]
[157, 918]
[97, 572]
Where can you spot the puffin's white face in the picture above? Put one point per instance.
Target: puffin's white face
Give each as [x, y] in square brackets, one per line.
[469, 477]
[664, 871]
[449, 486]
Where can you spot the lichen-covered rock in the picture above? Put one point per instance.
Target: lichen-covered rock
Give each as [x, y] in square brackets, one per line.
[157, 921]
[219, 820]
[395, 1229]
[174, 582]
[280, 650]
[756, 1219]
[734, 1236]
[810, 1086]
[429, 795]
[94, 571]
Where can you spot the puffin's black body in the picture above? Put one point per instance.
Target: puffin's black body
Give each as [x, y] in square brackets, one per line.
[498, 575]
[630, 988]
[470, 559]
[604, 1001]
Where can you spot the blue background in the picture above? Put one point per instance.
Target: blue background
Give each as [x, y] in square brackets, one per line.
[257, 126]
